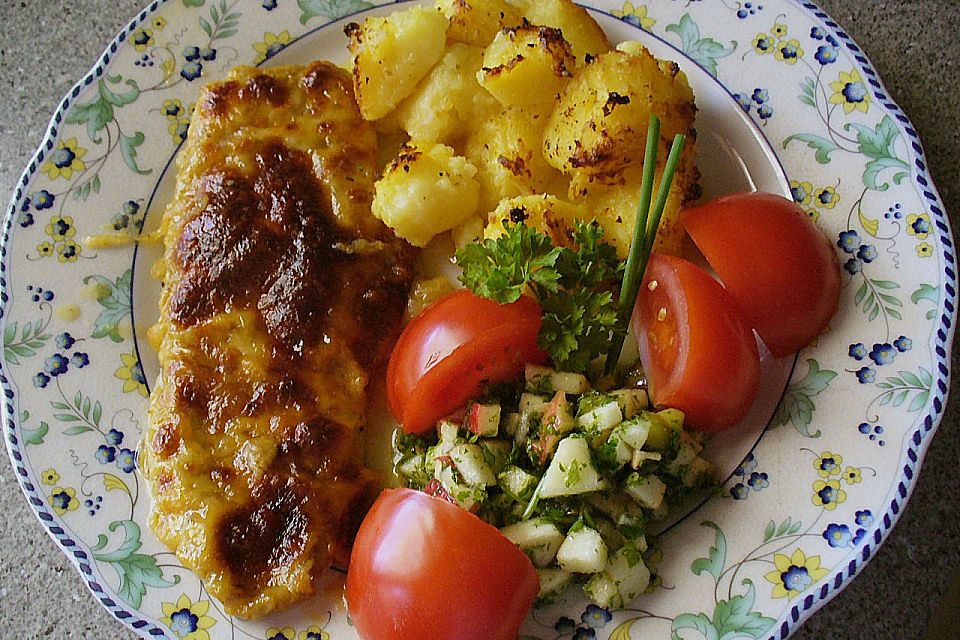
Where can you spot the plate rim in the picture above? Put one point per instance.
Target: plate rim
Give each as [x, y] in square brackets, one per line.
[794, 616]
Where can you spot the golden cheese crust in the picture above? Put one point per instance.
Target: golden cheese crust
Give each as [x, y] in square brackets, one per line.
[280, 292]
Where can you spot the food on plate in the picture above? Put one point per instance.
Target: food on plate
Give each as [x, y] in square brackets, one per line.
[571, 475]
[533, 97]
[424, 568]
[281, 293]
[698, 352]
[780, 269]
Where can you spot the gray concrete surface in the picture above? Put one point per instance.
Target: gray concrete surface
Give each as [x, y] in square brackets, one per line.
[46, 46]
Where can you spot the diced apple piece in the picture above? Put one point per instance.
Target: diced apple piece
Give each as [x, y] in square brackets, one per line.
[552, 581]
[484, 419]
[571, 471]
[555, 422]
[468, 458]
[648, 491]
[640, 456]
[582, 551]
[539, 377]
[625, 578]
[631, 401]
[603, 418]
[517, 483]
[537, 538]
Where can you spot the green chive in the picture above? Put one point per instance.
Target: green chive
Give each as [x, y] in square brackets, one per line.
[644, 231]
[534, 499]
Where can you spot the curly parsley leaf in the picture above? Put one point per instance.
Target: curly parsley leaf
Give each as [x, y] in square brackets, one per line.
[577, 326]
[501, 268]
[594, 264]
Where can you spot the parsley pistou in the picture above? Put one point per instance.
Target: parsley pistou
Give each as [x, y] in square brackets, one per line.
[644, 232]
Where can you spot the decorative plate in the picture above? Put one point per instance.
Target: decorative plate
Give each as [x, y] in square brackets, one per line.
[799, 515]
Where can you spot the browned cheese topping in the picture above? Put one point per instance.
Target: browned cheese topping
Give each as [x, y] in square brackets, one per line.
[281, 292]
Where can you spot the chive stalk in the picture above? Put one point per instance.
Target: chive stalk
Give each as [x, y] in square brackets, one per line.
[644, 232]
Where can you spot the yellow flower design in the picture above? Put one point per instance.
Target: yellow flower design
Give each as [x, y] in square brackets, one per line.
[827, 197]
[918, 224]
[172, 109]
[287, 633]
[779, 30]
[850, 91]
[924, 249]
[828, 494]
[788, 51]
[45, 249]
[828, 464]
[64, 500]
[763, 43]
[852, 475]
[186, 619]
[637, 16]
[802, 191]
[314, 632]
[271, 45]
[814, 214]
[68, 251]
[142, 38]
[132, 374]
[60, 228]
[178, 129]
[159, 23]
[50, 477]
[65, 160]
[795, 574]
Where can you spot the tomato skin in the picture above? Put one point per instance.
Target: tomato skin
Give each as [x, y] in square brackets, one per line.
[698, 353]
[770, 256]
[449, 351]
[424, 568]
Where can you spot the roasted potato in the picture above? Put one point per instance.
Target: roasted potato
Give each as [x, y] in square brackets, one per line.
[391, 55]
[527, 65]
[506, 150]
[577, 26]
[477, 21]
[548, 214]
[424, 191]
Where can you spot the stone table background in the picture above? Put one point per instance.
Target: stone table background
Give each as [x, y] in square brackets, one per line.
[45, 46]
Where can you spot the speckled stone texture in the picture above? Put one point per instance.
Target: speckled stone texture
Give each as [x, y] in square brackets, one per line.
[46, 46]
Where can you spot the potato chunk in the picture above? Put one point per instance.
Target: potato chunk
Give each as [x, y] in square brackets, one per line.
[527, 65]
[477, 21]
[448, 100]
[392, 54]
[508, 155]
[577, 26]
[424, 191]
[545, 213]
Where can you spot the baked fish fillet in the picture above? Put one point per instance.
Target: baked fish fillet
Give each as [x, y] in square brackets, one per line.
[280, 291]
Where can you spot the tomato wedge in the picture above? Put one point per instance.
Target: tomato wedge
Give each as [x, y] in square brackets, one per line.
[698, 353]
[446, 354]
[424, 568]
[770, 256]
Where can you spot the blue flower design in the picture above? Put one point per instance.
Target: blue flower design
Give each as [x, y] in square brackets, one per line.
[191, 71]
[105, 454]
[828, 494]
[857, 351]
[184, 622]
[79, 359]
[269, 5]
[744, 101]
[130, 207]
[867, 253]
[739, 491]
[41, 380]
[854, 92]
[765, 112]
[43, 199]
[56, 365]
[796, 578]
[25, 205]
[208, 54]
[758, 481]
[61, 500]
[788, 50]
[564, 625]
[25, 219]
[62, 157]
[858, 536]
[114, 436]
[817, 33]
[849, 241]
[838, 535]
[921, 226]
[866, 375]
[191, 54]
[863, 518]
[760, 95]
[596, 617]
[826, 54]
[883, 353]
[833, 41]
[853, 266]
[747, 466]
[799, 192]
[126, 460]
[903, 344]
[584, 633]
[65, 340]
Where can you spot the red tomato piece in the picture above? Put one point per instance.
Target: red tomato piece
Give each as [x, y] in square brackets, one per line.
[698, 353]
[770, 256]
[448, 352]
[424, 568]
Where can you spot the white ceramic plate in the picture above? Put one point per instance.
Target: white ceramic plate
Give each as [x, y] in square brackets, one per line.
[808, 494]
